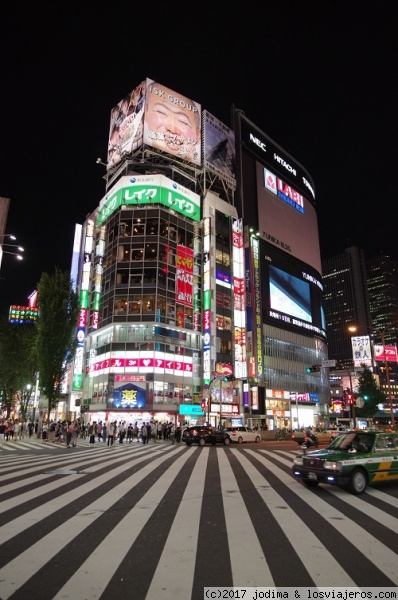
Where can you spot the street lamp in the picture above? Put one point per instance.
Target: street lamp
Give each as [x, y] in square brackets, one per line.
[7, 245]
[382, 332]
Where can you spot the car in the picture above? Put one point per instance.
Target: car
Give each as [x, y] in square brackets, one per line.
[205, 434]
[352, 460]
[240, 434]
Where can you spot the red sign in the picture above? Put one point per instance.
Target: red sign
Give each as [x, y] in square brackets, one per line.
[184, 275]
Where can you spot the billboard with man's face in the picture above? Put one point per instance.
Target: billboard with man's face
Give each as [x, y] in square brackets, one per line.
[172, 123]
[158, 117]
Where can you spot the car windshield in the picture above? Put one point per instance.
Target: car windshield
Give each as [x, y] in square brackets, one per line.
[362, 442]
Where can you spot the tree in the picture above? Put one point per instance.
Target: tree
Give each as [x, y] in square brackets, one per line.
[370, 392]
[17, 364]
[56, 340]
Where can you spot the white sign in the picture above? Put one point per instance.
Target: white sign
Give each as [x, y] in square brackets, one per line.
[328, 363]
[361, 351]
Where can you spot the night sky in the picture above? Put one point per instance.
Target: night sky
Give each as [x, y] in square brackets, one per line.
[319, 77]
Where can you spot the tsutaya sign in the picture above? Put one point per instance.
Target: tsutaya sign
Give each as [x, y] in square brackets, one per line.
[150, 189]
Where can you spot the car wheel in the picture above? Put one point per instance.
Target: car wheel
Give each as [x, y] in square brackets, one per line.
[202, 442]
[258, 439]
[358, 482]
[240, 439]
[227, 441]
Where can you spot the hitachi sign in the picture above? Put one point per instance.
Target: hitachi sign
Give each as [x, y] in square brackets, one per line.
[258, 143]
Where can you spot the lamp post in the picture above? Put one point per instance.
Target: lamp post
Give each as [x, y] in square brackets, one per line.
[7, 245]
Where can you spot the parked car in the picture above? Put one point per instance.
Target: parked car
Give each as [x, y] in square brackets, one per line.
[352, 460]
[242, 434]
[204, 434]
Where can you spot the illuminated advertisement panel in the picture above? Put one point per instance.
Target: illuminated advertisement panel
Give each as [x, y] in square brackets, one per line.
[150, 189]
[240, 365]
[22, 314]
[292, 293]
[219, 149]
[184, 275]
[385, 353]
[82, 318]
[206, 302]
[286, 218]
[361, 350]
[126, 125]
[258, 349]
[172, 123]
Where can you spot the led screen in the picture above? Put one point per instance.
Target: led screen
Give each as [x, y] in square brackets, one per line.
[291, 292]
[289, 295]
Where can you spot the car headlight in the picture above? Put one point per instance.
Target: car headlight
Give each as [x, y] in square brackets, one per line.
[298, 460]
[332, 465]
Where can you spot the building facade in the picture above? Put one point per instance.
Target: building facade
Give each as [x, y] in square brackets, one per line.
[187, 315]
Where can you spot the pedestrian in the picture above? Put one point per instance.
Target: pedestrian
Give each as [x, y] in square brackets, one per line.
[69, 434]
[99, 431]
[75, 434]
[177, 435]
[2, 433]
[154, 432]
[92, 432]
[44, 433]
[30, 429]
[171, 431]
[144, 433]
[122, 432]
[111, 433]
[104, 432]
[160, 431]
[17, 427]
[129, 437]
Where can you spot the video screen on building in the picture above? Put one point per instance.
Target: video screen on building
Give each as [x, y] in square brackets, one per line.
[291, 292]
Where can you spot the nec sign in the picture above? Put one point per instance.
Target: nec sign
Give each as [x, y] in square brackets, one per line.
[258, 143]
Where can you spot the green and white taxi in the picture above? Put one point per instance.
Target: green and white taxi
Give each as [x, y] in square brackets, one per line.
[352, 460]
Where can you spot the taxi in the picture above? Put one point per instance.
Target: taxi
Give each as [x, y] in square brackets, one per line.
[352, 460]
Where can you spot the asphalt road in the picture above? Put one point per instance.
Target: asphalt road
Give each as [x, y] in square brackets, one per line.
[164, 521]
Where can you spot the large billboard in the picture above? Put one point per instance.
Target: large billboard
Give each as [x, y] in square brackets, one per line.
[219, 149]
[140, 190]
[172, 123]
[126, 127]
[292, 293]
[286, 218]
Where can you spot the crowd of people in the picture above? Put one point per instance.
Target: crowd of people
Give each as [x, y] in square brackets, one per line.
[68, 433]
[15, 429]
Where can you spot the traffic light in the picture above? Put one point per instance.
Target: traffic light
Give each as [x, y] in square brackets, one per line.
[313, 369]
[228, 378]
[350, 397]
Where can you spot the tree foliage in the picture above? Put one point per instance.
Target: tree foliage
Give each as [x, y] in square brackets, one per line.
[17, 364]
[56, 339]
[370, 392]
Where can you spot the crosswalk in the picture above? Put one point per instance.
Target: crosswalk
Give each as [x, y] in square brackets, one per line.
[165, 521]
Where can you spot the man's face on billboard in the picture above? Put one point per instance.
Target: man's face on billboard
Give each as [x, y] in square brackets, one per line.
[172, 121]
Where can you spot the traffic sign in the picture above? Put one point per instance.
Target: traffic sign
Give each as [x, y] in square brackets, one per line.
[328, 363]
